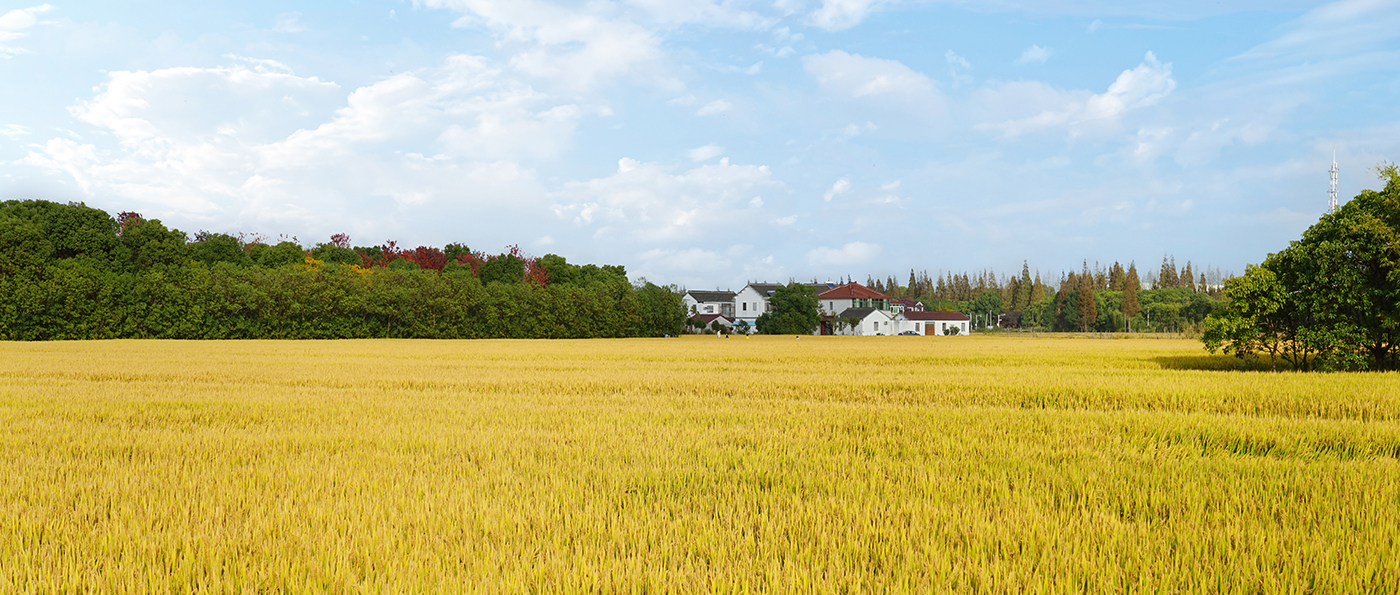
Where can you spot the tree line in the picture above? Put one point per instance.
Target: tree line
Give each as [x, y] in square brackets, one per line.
[69, 271]
[1100, 298]
[1330, 300]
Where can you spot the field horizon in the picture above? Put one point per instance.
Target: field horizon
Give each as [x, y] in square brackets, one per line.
[988, 464]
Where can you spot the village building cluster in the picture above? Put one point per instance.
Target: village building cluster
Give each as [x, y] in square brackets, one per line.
[845, 309]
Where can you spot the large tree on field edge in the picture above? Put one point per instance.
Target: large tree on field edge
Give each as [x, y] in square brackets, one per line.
[1331, 299]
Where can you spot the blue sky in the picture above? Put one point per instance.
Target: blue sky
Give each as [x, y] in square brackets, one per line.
[710, 142]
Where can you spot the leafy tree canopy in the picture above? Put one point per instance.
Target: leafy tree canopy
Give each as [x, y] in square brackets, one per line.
[792, 311]
[1331, 299]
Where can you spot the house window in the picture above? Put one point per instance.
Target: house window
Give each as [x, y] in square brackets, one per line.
[746, 306]
[709, 309]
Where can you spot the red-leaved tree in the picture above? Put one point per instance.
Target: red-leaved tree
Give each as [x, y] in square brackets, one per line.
[126, 219]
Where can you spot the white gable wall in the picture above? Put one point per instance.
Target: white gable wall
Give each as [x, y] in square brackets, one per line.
[749, 304]
[835, 306]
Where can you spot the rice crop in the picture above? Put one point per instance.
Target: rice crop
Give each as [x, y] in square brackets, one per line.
[743, 465]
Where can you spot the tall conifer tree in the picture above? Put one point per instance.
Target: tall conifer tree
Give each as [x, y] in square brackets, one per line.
[1088, 310]
[1131, 284]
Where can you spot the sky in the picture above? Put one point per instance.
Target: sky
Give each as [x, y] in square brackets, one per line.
[709, 143]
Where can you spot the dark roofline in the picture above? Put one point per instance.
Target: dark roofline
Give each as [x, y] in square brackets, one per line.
[858, 312]
[926, 315]
[712, 296]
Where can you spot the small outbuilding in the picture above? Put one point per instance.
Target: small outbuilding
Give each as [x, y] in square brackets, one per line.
[936, 323]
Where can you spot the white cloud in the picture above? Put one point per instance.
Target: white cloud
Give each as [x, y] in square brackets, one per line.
[645, 201]
[841, 186]
[287, 23]
[705, 153]
[785, 35]
[853, 130]
[1098, 24]
[13, 131]
[687, 261]
[715, 13]
[15, 21]
[959, 69]
[836, 15]
[1337, 28]
[234, 143]
[717, 106]
[853, 253]
[579, 49]
[1035, 54]
[858, 77]
[1140, 87]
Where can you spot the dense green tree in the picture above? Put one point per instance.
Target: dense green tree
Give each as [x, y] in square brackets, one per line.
[333, 254]
[1255, 320]
[33, 232]
[210, 248]
[1329, 300]
[455, 251]
[151, 245]
[503, 268]
[70, 272]
[559, 270]
[792, 311]
[279, 255]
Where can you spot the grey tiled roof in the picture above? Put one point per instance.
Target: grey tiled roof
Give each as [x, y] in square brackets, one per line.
[712, 296]
[856, 312]
[767, 289]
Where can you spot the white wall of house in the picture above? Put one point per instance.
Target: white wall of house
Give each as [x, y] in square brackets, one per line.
[749, 304]
[931, 327]
[877, 322]
[698, 307]
[835, 306]
[942, 326]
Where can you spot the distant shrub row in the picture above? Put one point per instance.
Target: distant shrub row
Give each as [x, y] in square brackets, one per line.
[74, 272]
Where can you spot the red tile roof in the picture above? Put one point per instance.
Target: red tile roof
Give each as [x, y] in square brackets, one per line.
[852, 291]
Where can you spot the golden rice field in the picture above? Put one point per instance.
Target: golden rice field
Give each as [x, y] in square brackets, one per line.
[835, 464]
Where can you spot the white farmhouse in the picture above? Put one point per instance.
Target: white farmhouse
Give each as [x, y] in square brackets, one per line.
[851, 295]
[752, 300]
[710, 302]
[862, 322]
[935, 323]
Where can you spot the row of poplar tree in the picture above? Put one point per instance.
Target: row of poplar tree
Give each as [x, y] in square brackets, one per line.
[68, 271]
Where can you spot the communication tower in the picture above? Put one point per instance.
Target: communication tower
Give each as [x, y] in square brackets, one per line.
[1332, 201]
